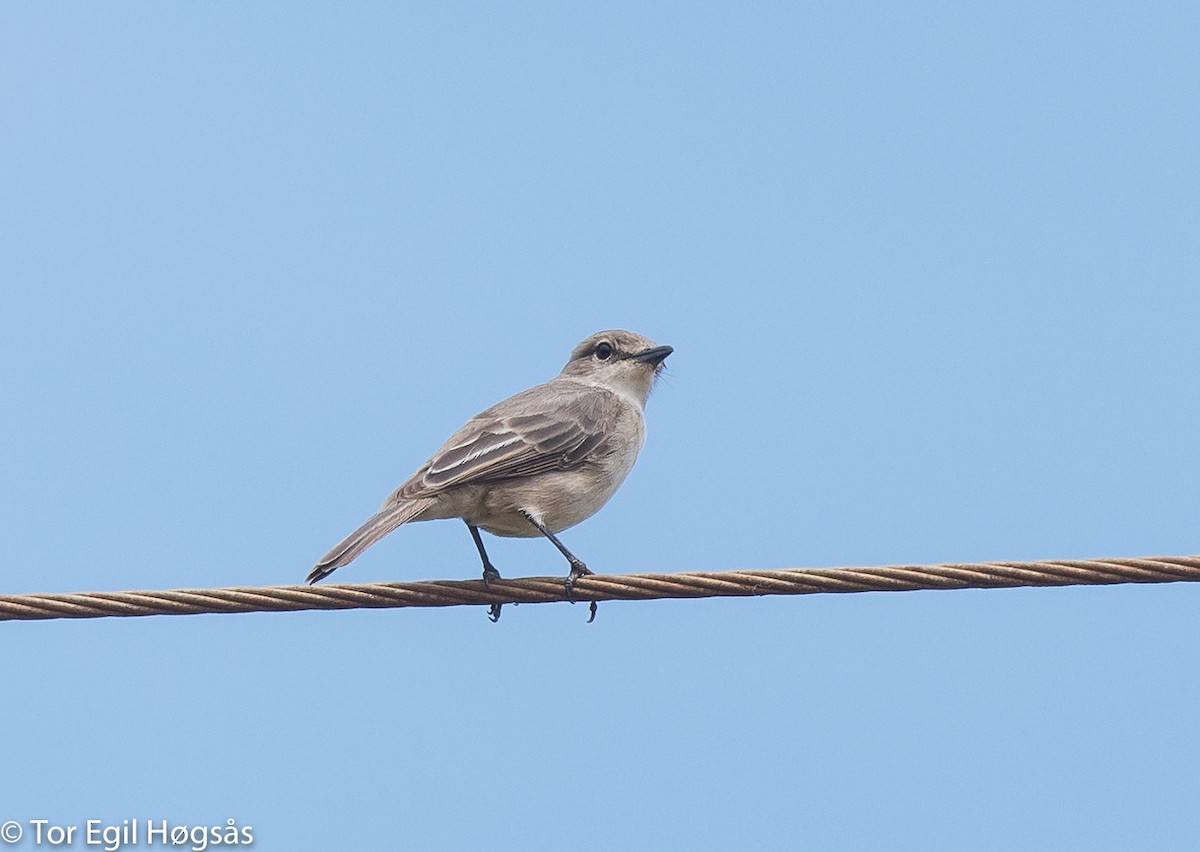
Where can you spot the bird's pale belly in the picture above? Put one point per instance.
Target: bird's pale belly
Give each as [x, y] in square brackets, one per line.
[558, 499]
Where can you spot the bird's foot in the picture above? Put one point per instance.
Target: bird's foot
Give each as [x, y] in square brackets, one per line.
[490, 573]
[578, 569]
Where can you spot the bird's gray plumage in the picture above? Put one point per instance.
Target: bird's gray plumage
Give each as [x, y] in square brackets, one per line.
[536, 463]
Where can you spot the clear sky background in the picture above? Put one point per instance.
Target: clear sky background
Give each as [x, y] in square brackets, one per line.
[931, 274]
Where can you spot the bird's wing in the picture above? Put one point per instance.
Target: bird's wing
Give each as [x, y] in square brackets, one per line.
[527, 434]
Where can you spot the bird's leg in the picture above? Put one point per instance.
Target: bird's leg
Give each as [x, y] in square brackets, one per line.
[489, 570]
[578, 569]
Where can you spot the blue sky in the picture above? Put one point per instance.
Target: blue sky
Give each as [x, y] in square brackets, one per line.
[931, 274]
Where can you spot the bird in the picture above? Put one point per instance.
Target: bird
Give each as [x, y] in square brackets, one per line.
[535, 464]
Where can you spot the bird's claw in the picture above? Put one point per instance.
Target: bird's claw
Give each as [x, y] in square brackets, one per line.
[490, 573]
[578, 569]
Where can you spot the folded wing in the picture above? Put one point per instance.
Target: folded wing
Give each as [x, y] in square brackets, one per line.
[514, 446]
[507, 441]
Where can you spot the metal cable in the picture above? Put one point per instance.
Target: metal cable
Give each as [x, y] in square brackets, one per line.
[604, 587]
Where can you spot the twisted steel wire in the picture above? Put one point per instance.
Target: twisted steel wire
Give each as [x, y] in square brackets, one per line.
[604, 587]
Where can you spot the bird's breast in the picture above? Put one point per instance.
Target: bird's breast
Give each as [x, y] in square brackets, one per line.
[558, 499]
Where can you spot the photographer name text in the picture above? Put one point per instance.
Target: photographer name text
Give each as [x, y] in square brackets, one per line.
[127, 834]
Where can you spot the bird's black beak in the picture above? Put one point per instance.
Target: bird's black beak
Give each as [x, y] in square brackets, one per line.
[654, 356]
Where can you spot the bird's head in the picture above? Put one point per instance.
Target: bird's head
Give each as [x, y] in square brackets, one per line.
[621, 361]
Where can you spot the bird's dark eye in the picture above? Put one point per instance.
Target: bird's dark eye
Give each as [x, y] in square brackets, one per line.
[603, 351]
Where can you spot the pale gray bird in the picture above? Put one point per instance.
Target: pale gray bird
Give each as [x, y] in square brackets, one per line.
[535, 464]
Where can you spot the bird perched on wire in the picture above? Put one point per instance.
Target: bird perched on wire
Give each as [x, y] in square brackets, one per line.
[536, 463]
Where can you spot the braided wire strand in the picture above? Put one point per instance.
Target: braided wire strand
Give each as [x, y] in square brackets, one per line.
[603, 587]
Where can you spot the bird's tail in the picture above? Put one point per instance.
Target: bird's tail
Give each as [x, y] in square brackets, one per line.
[376, 527]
